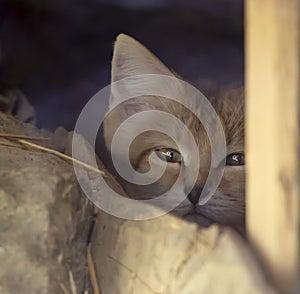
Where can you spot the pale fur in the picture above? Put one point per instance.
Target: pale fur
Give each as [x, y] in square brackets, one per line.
[227, 206]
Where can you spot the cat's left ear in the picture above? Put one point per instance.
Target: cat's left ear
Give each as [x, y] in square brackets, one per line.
[130, 59]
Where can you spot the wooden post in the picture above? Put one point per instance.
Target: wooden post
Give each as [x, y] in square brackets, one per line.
[272, 122]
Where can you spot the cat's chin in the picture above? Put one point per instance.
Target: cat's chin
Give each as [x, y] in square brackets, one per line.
[198, 219]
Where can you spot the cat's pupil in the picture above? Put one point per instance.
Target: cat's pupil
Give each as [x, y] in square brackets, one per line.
[235, 159]
[169, 155]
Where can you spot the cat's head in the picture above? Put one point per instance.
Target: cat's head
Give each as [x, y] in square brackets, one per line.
[227, 205]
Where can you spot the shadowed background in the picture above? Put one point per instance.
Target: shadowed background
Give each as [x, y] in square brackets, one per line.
[58, 53]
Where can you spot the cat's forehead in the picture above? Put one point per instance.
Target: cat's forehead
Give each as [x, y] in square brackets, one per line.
[231, 110]
[229, 107]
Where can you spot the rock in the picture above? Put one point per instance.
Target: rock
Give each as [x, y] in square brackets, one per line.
[168, 255]
[45, 219]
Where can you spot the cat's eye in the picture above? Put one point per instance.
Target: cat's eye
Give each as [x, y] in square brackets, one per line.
[235, 159]
[169, 155]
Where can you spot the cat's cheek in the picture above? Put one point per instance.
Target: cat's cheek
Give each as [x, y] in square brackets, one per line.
[235, 168]
[169, 178]
[173, 169]
[234, 174]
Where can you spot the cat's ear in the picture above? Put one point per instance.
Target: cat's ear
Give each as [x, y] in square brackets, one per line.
[131, 58]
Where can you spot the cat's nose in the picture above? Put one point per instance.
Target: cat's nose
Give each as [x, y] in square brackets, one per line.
[194, 197]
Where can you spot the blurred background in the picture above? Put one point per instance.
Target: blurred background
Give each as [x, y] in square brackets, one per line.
[58, 52]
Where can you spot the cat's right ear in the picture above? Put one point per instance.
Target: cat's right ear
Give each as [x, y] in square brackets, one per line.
[130, 59]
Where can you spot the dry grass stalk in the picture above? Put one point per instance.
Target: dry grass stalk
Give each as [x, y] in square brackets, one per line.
[92, 271]
[42, 148]
[16, 136]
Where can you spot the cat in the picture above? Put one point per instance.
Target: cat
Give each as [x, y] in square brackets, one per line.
[227, 205]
